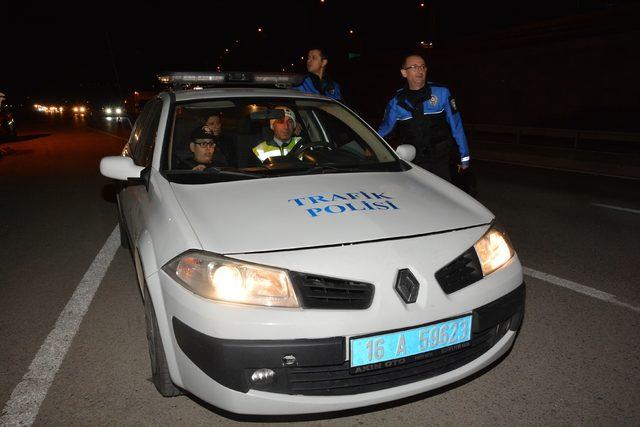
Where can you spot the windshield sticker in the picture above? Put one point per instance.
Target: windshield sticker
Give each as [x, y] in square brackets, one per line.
[340, 203]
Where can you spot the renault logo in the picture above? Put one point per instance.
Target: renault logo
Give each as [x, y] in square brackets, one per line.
[407, 286]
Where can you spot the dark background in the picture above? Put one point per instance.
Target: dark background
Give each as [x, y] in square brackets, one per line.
[571, 64]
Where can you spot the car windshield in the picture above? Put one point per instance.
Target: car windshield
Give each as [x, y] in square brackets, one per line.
[244, 138]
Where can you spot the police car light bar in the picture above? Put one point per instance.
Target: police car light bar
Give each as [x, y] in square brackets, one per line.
[230, 78]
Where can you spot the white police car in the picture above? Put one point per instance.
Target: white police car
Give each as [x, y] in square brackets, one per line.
[300, 265]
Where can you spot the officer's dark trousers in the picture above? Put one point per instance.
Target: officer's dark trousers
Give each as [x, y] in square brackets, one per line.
[437, 160]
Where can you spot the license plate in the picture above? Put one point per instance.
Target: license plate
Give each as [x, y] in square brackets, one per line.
[377, 349]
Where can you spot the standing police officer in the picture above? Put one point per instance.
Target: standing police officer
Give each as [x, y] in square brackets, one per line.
[426, 117]
[317, 81]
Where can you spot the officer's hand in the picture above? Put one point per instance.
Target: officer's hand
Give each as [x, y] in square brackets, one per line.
[199, 168]
[463, 167]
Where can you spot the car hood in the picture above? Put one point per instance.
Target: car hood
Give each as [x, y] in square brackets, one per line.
[317, 210]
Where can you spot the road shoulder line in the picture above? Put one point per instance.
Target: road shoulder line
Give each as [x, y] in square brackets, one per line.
[577, 287]
[26, 398]
[616, 208]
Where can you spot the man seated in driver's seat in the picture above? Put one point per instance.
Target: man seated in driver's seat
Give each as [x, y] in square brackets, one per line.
[283, 141]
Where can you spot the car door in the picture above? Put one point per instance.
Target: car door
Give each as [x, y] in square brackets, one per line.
[135, 195]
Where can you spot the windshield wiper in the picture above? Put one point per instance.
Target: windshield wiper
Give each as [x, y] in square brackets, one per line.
[210, 173]
[218, 171]
[318, 169]
[321, 169]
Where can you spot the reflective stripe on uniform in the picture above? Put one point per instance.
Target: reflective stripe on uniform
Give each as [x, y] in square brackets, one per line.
[265, 150]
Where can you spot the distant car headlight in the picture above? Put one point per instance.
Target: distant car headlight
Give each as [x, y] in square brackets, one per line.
[493, 250]
[218, 278]
[118, 110]
[108, 110]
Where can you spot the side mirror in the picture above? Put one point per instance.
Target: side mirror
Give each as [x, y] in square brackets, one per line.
[406, 152]
[120, 167]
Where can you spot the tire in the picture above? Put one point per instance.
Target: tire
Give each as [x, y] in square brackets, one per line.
[159, 367]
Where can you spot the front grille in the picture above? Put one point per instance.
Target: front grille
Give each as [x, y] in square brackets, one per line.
[460, 273]
[337, 380]
[325, 292]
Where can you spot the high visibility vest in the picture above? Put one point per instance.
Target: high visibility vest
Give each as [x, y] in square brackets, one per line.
[267, 149]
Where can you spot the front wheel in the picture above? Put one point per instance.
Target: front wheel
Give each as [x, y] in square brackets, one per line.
[159, 367]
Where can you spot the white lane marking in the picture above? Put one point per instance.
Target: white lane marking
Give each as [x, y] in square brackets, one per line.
[23, 405]
[577, 287]
[617, 208]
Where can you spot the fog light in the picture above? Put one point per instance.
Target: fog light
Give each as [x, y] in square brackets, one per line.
[263, 376]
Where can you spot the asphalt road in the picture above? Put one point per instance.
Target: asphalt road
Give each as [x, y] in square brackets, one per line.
[576, 360]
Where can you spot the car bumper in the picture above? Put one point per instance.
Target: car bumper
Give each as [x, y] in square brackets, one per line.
[318, 367]
[257, 402]
[213, 348]
[219, 371]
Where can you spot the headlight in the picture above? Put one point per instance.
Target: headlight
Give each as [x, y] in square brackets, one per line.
[223, 279]
[118, 110]
[107, 110]
[494, 250]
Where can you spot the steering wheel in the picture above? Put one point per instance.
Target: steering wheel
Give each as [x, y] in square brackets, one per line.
[300, 149]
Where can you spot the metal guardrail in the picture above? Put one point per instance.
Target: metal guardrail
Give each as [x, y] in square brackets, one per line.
[576, 134]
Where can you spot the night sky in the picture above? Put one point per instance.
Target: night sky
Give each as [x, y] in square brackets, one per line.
[111, 50]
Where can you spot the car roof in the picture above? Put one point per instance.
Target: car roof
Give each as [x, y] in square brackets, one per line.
[243, 92]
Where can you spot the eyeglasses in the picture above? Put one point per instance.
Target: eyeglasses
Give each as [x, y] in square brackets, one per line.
[415, 67]
[206, 144]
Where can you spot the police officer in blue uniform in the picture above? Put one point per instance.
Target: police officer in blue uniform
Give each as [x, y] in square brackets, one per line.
[425, 115]
[317, 81]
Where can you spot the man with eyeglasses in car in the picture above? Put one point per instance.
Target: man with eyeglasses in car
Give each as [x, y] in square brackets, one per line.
[425, 115]
[203, 152]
